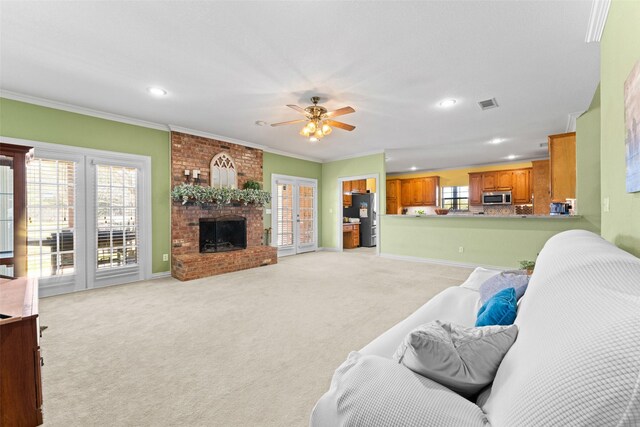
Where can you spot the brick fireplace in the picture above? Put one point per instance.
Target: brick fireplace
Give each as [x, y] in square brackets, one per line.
[187, 260]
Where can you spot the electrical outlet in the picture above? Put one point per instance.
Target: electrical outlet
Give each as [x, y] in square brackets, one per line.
[165, 257]
[461, 249]
[267, 211]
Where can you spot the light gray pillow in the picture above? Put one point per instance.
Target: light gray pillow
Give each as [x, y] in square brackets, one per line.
[463, 359]
[516, 279]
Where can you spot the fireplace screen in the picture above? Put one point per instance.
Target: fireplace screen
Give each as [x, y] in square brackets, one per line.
[222, 234]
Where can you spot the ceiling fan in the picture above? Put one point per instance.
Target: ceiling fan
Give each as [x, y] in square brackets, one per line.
[319, 120]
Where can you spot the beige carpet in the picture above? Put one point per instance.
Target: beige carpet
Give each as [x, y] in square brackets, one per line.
[252, 348]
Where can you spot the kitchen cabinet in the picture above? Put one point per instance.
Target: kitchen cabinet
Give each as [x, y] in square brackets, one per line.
[420, 191]
[406, 192]
[540, 183]
[505, 180]
[562, 166]
[489, 181]
[521, 192]
[475, 188]
[393, 197]
[350, 236]
[346, 193]
[359, 186]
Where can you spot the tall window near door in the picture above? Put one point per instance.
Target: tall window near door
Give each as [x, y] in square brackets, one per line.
[50, 217]
[455, 198]
[306, 200]
[117, 216]
[285, 214]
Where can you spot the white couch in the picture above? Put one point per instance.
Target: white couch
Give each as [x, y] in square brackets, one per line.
[575, 362]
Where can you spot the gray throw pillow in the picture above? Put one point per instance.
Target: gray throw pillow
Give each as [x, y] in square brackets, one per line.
[463, 359]
[516, 279]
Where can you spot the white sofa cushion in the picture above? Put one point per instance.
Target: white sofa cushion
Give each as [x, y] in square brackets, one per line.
[478, 277]
[460, 358]
[372, 391]
[577, 357]
[456, 304]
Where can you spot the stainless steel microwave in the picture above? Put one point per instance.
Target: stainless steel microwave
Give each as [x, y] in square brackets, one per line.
[496, 198]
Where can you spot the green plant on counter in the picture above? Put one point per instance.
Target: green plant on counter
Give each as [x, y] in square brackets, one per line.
[527, 265]
[252, 185]
[201, 195]
[420, 212]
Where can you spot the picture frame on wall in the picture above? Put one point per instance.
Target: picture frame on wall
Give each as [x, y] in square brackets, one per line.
[632, 128]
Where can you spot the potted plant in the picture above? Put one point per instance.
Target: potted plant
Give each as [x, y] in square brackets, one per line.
[527, 265]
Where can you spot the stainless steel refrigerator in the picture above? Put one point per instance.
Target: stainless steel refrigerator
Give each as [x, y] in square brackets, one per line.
[363, 207]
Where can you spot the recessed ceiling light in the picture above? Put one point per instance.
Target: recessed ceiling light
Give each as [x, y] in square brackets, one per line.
[157, 91]
[446, 103]
[511, 156]
[496, 141]
[413, 168]
[261, 123]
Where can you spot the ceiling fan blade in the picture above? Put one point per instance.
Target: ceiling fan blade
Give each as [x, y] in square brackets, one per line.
[290, 122]
[298, 109]
[340, 112]
[340, 125]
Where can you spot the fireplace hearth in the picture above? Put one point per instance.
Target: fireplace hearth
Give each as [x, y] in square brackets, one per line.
[223, 234]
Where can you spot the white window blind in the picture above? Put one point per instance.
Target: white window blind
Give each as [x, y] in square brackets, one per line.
[116, 216]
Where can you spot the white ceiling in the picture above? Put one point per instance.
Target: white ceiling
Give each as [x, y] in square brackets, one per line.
[228, 64]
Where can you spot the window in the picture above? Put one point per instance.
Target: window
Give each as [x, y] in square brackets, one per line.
[117, 216]
[285, 214]
[223, 171]
[51, 230]
[455, 198]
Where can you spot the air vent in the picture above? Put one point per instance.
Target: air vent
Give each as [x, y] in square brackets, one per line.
[488, 104]
[543, 145]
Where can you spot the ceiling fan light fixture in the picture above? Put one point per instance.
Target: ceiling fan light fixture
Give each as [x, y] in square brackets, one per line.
[311, 126]
[326, 129]
[313, 139]
[318, 134]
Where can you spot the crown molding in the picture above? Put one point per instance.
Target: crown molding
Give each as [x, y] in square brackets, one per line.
[597, 19]
[80, 110]
[353, 156]
[571, 120]
[174, 128]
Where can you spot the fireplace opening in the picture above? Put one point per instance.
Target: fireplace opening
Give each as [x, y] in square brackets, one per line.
[223, 234]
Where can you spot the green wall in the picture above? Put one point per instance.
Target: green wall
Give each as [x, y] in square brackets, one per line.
[619, 52]
[283, 165]
[36, 123]
[500, 242]
[588, 163]
[331, 172]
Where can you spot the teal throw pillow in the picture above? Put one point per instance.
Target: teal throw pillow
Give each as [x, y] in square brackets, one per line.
[500, 309]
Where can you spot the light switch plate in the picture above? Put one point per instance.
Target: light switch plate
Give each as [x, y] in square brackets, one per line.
[165, 257]
[605, 204]
[267, 211]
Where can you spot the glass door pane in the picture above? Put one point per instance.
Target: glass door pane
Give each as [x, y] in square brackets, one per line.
[284, 212]
[6, 215]
[51, 231]
[306, 214]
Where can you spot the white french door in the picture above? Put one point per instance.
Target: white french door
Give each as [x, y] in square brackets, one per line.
[294, 218]
[88, 218]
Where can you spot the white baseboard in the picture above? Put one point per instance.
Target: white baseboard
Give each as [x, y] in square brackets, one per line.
[443, 262]
[160, 275]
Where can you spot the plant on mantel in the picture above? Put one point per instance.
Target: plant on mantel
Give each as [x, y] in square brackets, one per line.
[205, 195]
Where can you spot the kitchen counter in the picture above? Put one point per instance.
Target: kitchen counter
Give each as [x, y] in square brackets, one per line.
[462, 215]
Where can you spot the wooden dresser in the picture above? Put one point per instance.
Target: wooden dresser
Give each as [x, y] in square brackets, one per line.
[20, 361]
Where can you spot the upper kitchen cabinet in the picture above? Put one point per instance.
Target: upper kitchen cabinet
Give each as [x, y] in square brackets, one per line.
[505, 180]
[541, 187]
[521, 191]
[359, 186]
[393, 197]
[475, 188]
[562, 166]
[346, 194]
[420, 191]
[489, 181]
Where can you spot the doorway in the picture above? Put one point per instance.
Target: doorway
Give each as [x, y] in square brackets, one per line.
[358, 225]
[88, 218]
[294, 218]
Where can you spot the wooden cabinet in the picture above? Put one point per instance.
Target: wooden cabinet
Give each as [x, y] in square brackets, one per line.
[489, 181]
[420, 191]
[406, 192]
[346, 194]
[21, 385]
[521, 192]
[393, 197]
[540, 184]
[350, 236]
[504, 180]
[562, 166]
[475, 188]
[359, 186]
